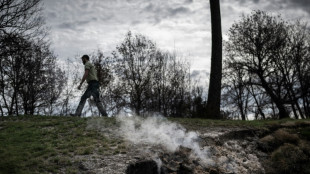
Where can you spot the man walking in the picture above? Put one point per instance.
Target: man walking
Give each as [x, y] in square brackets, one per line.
[90, 76]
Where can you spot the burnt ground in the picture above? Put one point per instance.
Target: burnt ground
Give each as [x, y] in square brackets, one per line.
[231, 150]
[227, 150]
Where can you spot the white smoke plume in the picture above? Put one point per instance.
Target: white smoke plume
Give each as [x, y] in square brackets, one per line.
[157, 130]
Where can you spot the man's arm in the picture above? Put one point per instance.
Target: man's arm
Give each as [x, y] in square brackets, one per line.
[84, 78]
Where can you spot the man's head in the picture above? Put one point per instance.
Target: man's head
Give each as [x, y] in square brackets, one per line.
[85, 58]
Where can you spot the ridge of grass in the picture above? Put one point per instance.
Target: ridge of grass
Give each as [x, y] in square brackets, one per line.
[199, 122]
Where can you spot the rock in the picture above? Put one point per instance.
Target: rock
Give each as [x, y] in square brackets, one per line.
[172, 166]
[184, 169]
[82, 166]
[143, 167]
[196, 162]
[213, 171]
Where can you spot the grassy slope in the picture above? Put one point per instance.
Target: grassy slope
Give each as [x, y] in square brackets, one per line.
[40, 144]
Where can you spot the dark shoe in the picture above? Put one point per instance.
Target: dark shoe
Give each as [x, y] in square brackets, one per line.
[73, 115]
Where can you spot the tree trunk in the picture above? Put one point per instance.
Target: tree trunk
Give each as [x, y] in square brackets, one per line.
[260, 111]
[214, 94]
[294, 111]
[305, 105]
[299, 109]
[280, 105]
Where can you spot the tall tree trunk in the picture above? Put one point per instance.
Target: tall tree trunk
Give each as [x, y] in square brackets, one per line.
[214, 94]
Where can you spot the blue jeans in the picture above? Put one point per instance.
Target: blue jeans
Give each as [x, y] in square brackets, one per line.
[92, 90]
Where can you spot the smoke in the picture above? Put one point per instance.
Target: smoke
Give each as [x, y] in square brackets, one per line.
[157, 130]
[158, 162]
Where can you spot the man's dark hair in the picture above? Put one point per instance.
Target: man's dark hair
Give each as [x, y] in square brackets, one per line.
[85, 56]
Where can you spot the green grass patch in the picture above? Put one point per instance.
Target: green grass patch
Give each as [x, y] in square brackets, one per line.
[41, 144]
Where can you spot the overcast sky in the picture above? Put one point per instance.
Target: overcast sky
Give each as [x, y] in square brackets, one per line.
[83, 26]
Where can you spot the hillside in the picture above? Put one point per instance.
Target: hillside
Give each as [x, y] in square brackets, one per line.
[40, 144]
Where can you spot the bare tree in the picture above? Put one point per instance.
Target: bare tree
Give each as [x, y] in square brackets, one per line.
[21, 16]
[55, 79]
[297, 68]
[148, 79]
[198, 106]
[11, 74]
[251, 44]
[69, 92]
[260, 99]
[135, 68]
[272, 52]
[235, 93]
[21, 28]
[31, 76]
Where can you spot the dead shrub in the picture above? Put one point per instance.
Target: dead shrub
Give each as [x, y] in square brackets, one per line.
[305, 133]
[290, 159]
[271, 142]
[282, 136]
[305, 147]
[267, 143]
[267, 139]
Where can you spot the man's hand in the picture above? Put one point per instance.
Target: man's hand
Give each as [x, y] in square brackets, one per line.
[79, 87]
[83, 79]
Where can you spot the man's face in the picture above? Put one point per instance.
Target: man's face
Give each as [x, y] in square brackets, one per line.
[84, 60]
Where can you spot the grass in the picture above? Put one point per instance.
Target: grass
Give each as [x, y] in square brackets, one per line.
[40, 144]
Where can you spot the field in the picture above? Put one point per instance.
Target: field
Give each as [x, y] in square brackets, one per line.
[43, 144]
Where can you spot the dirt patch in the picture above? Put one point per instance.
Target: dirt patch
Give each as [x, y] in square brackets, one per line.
[225, 150]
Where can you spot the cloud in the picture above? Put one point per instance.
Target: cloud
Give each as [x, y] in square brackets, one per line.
[200, 78]
[303, 4]
[51, 15]
[85, 5]
[188, 1]
[199, 74]
[79, 26]
[66, 25]
[158, 12]
[179, 10]
[103, 24]
[247, 1]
